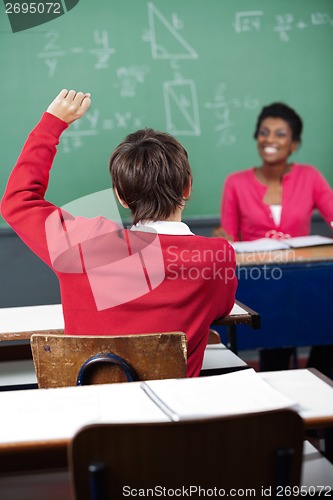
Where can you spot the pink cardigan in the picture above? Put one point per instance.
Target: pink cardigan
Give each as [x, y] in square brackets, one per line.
[245, 216]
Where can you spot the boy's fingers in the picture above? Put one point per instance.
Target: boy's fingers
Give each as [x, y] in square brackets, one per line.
[79, 97]
[71, 95]
[70, 105]
[86, 103]
[83, 101]
[63, 93]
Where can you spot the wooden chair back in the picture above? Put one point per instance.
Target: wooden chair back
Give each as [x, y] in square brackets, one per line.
[58, 358]
[246, 452]
[214, 337]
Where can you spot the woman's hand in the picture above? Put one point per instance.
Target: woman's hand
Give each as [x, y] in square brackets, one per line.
[219, 232]
[69, 105]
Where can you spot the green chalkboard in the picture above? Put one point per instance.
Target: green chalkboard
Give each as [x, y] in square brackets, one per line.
[200, 70]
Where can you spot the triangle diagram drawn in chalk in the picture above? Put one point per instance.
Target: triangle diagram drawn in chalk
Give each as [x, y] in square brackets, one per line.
[166, 42]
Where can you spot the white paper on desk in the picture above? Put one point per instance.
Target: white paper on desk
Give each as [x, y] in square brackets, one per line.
[312, 394]
[48, 414]
[234, 393]
[31, 318]
[127, 403]
[261, 245]
[270, 244]
[237, 310]
[309, 241]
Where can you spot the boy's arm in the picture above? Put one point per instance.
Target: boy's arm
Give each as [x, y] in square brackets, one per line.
[23, 205]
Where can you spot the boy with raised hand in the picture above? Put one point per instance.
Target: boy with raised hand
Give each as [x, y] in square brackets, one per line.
[155, 277]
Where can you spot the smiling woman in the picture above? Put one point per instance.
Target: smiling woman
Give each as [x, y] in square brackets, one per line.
[275, 200]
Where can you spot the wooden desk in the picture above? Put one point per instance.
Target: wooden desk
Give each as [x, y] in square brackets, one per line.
[20, 374]
[240, 315]
[38, 424]
[293, 291]
[16, 365]
[320, 253]
[17, 324]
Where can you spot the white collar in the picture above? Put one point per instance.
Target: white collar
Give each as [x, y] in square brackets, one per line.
[163, 227]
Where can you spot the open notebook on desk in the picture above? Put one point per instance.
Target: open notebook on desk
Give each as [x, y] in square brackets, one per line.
[43, 415]
[234, 393]
[270, 244]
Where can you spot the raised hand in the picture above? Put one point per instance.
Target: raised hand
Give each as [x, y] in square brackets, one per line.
[69, 105]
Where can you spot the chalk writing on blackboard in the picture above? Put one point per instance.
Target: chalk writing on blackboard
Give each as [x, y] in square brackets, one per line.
[129, 78]
[181, 107]
[283, 25]
[165, 40]
[321, 18]
[104, 51]
[51, 52]
[247, 21]
[222, 108]
[92, 124]
[72, 137]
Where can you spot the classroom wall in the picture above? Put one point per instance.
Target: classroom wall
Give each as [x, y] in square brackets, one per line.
[199, 70]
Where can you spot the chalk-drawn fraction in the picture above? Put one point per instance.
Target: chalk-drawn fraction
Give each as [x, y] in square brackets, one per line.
[321, 18]
[284, 24]
[181, 107]
[129, 78]
[104, 51]
[164, 37]
[51, 52]
[223, 109]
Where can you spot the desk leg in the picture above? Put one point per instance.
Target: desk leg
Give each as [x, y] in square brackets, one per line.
[328, 436]
[232, 338]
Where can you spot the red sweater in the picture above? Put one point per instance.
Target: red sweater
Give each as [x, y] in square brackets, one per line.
[112, 281]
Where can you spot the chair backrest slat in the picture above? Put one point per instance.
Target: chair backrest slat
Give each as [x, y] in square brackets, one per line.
[58, 358]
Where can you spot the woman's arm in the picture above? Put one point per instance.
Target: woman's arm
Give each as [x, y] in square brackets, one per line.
[230, 221]
[323, 198]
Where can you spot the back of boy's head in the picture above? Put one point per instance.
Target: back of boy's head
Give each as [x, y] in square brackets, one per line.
[150, 171]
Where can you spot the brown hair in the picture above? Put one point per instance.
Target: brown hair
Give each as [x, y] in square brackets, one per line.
[150, 171]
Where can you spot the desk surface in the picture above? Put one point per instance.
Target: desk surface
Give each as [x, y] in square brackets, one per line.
[318, 253]
[19, 323]
[20, 374]
[42, 415]
[37, 425]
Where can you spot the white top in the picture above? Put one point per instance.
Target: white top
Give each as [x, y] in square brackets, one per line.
[163, 227]
[276, 213]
